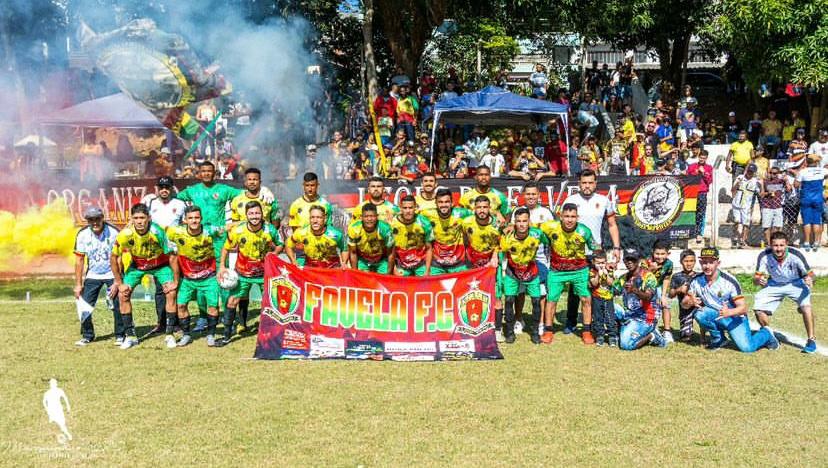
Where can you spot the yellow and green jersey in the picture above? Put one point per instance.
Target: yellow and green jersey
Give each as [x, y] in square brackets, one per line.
[497, 201]
[270, 211]
[371, 246]
[320, 250]
[196, 257]
[411, 240]
[568, 249]
[299, 212]
[481, 239]
[449, 245]
[252, 246]
[426, 206]
[385, 211]
[149, 250]
[605, 282]
[520, 254]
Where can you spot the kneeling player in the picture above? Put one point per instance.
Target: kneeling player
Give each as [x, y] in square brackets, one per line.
[197, 264]
[412, 240]
[324, 246]
[370, 241]
[520, 247]
[448, 248]
[147, 244]
[252, 240]
[782, 271]
[638, 287]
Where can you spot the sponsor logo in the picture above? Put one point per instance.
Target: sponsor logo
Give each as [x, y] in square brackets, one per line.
[364, 349]
[474, 310]
[410, 347]
[284, 294]
[293, 339]
[457, 346]
[456, 356]
[656, 203]
[413, 357]
[325, 347]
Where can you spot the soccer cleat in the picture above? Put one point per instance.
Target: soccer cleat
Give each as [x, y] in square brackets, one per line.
[184, 340]
[773, 342]
[170, 341]
[211, 341]
[200, 326]
[715, 345]
[535, 338]
[668, 336]
[599, 341]
[83, 342]
[658, 339]
[587, 338]
[499, 336]
[518, 327]
[568, 330]
[810, 346]
[547, 337]
[119, 340]
[613, 342]
[510, 339]
[814, 247]
[129, 342]
[156, 329]
[806, 247]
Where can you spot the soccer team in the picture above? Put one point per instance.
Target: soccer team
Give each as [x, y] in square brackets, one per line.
[191, 241]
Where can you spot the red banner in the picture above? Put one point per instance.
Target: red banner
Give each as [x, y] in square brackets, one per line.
[315, 313]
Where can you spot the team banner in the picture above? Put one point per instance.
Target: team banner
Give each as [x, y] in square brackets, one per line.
[315, 313]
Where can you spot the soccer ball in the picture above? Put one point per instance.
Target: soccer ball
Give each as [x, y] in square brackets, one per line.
[229, 279]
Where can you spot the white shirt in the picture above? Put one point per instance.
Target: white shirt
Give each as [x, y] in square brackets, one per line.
[746, 190]
[592, 211]
[494, 162]
[96, 249]
[539, 215]
[792, 268]
[165, 214]
[725, 290]
[821, 149]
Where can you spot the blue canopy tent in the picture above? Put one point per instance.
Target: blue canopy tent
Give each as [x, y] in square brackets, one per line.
[493, 106]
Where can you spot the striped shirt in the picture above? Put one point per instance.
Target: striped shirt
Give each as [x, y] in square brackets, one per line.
[724, 291]
[792, 267]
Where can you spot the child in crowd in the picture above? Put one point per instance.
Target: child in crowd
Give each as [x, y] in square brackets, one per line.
[385, 126]
[679, 286]
[603, 310]
[662, 268]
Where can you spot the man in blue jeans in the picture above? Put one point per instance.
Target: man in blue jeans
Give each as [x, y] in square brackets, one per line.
[722, 307]
[93, 272]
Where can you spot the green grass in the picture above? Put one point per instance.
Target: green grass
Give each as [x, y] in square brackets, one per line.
[560, 405]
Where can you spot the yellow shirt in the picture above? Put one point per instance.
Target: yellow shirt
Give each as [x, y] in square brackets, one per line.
[385, 211]
[426, 207]
[196, 257]
[300, 211]
[411, 240]
[481, 240]
[149, 250]
[252, 247]
[322, 250]
[238, 213]
[741, 152]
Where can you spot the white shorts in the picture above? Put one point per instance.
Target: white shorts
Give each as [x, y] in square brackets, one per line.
[741, 215]
[771, 218]
[768, 298]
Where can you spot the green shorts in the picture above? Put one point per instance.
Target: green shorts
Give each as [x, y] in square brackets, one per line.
[242, 290]
[378, 267]
[441, 270]
[499, 281]
[511, 285]
[416, 271]
[556, 280]
[133, 276]
[191, 289]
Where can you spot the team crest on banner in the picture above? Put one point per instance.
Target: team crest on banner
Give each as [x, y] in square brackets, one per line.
[474, 307]
[284, 295]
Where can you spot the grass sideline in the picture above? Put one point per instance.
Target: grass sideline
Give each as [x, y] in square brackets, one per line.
[563, 404]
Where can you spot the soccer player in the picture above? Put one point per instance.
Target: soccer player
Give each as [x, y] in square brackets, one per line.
[165, 210]
[251, 240]
[93, 271]
[427, 198]
[498, 204]
[147, 244]
[412, 233]
[520, 248]
[370, 242]
[568, 244]
[324, 245]
[721, 307]
[253, 192]
[376, 196]
[448, 250]
[662, 268]
[482, 231]
[638, 289]
[538, 214]
[679, 286]
[782, 271]
[197, 264]
[299, 212]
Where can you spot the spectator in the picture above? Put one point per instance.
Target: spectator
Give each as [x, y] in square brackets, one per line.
[745, 189]
[412, 166]
[441, 159]
[427, 83]
[590, 155]
[573, 156]
[312, 162]
[772, 131]
[556, 155]
[798, 145]
[820, 148]
[385, 125]
[772, 191]
[407, 108]
[494, 160]
[385, 101]
[637, 153]
[754, 128]
[761, 161]
[741, 153]
[539, 82]
[732, 128]
[811, 182]
[790, 203]
[788, 131]
[450, 92]
[401, 79]
[705, 171]
[616, 153]
[458, 166]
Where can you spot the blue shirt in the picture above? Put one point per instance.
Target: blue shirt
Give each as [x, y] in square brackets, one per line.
[96, 249]
[724, 291]
[811, 180]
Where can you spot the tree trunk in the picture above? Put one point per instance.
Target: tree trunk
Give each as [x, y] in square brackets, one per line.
[368, 49]
[408, 24]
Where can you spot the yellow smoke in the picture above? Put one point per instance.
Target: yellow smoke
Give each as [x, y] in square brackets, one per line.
[43, 230]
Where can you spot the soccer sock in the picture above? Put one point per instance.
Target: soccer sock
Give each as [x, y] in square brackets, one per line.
[498, 319]
[244, 306]
[510, 315]
[185, 324]
[211, 324]
[536, 316]
[229, 321]
[129, 325]
[547, 328]
[171, 316]
[588, 327]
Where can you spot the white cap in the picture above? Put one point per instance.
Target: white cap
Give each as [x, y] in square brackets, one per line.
[165, 150]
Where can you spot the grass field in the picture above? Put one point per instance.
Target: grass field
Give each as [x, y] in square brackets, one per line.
[557, 405]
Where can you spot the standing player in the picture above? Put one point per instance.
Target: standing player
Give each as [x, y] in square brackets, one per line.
[370, 242]
[448, 249]
[638, 290]
[251, 240]
[324, 246]
[568, 244]
[299, 212]
[93, 271]
[376, 196]
[412, 233]
[782, 271]
[165, 210]
[662, 268]
[197, 264]
[679, 287]
[147, 244]
[498, 204]
[482, 243]
[427, 198]
[520, 248]
[721, 307]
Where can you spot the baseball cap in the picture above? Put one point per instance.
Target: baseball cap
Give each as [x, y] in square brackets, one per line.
[165, 150]
[494, 144]
[731, 114]
[459, 148]
[632, 254]
[311, 147]
[823, 133]
[92, 212]
[164, 181]
[709, 252]
[752, 167]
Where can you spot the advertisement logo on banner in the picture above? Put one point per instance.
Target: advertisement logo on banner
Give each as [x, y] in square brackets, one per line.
[657, 203]
[474, 311]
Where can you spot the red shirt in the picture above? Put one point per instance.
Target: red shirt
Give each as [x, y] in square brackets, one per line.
[706, 176]
[386, 102]
[557, 156]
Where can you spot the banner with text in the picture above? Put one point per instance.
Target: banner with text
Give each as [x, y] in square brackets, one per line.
[315, 313]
